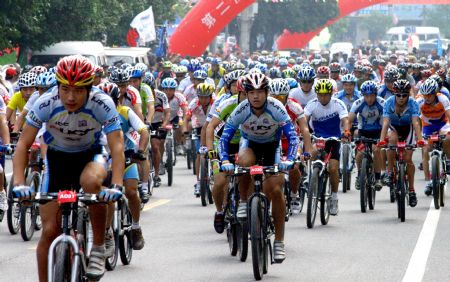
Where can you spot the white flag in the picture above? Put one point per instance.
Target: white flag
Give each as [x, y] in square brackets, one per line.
[144, 23]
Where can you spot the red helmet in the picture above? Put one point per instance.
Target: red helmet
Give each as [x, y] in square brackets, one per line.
[75, 71]
[240, 83]
[98, 71]
[335, 67]
[441, 72]
[323, 70]
[426, 73]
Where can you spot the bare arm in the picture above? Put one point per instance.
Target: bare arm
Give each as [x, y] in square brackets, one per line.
[166, 118]
[143, 141]
[203, 134]
[150, 111]
[138, 110]
[9, 112]
[306, 134]
[115, 144]
[186, 120]
[4, 130]
[351, 117]
[417, 128]
[20, 160]
[384, 129]
[210, 133]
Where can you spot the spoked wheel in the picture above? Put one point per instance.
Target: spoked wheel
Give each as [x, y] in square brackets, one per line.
[242, 237]
[302, 191]
[204, 181]
[401, 193]
[372, 192]
[325, 198]
[232, 238]
[62, 266]
[27, 220]
[13, 212]
[363, 185]
[169, 162]
[125, 244]
[435, 180]
[442, 194]
[189, 157]
[311, 207]
[345, 169]
[111, 262]
[287, 199]
[193, 155]
[257, 237]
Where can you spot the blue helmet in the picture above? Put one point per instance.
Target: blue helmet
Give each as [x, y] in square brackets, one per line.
[52, 70]
[135, 73]
[149, 79]
[274, 72]
[292, 83]
[306, 73]
[184, 62]
[169, 83]
[46, 80]
[262, 67]
[251, 64]
[194, 65]
[283, 62]
[369, 87]
[349, 78]
[200, 74]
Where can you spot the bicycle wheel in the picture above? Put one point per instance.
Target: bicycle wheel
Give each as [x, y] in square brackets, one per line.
[242, 237]
[193, 156]
[257, 237]
[311, 207]
[62, 266]
[401, 193]
[345, 170]
[204, 180]
[371, 193]
[111, 262]
[28, 212]
[188, 158]
[325, 197]
[125, 244]
[169, 161]
[232, 238]
[13, 212]
[302, 192]
[435, 180]
[287, 199]
[363, 185]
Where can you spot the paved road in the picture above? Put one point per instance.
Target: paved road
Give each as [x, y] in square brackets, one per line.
[181, 244]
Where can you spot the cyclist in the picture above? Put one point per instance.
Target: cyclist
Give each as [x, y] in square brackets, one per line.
[327, 115]
[335, 70]
[198, 110]
[434, 113]
[305, 92]
[4, 135]
[136, 143]
[27, 85]
[75, 114]
[198, 77]
[390, 76]
[349, 95]
[401, 117]
[132, 97]
[279, 89]
[145, 92]
[193, 66]
[216, 72]
[261, 120]
[166, 72]
[368, 111]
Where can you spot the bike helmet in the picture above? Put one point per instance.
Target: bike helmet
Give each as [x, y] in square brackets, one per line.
[438, 80]
[366, 69]
[288, 73]
[323, 71]
[75, 71]
[391, 74]
[167, 64]
[349, 78]
[298, 60]
[205, 90]
[111, 68]
[27, 68]
[279, 86]
[307, 73]
[184, 62]
[135, 73]
[180, 70]
[125, 66]
[324, 86]
[291, 61]
[142, 67]
[169, 83]
[194, 65]
[296, 68]
[441, 72]
[52, 70]
[261, 67]
[254, 70]
[344, 71]
[38, 70]
[240, 84]
[149, 79]
[274, 72]
[430, 86]
[335, 67]
[233, 76]
[369, 87]
[27, 79]
[119, 76]
[292, 83]
[283, 62]
[402, 86]
[403, 65]
[200, 75]
[98, 71]
[426, 73]
[111, 89]
[46, 80]
[255, 81]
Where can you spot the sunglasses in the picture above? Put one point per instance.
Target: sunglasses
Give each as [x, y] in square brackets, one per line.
[306, 81]
[402, 95]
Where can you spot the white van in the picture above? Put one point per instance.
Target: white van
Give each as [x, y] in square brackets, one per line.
[93, 50]
[399, 35]
[130, 55]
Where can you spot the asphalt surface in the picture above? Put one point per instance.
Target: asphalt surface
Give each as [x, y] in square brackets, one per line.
[181, 244]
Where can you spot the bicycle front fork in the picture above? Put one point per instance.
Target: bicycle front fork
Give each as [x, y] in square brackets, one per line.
[64, 239]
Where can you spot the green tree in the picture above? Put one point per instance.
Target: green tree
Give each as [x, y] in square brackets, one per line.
[294, 15]
[339, 30]
[376, 23]
[438, 15]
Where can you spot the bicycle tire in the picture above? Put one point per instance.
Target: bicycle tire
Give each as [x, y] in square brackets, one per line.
[204, 181]
[372, 193]
[188, 158]
[363, 187]
[232, 238]
[257, 237]
[28, 211]
[345, 171]
[435, 180]
[125, 244]
[13, 211]
[169, 162]
[193, 156]
[401, 193]
[82, 236]
[62, 268]
[111, 262]
[301, 193]
[311, 206]
[325, 197]
[242, 235]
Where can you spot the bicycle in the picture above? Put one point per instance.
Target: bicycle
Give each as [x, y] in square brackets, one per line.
[319, 188]
[205, 181]
[367, 175]
[191, 152]
[261, 225]
[438, 169]
[170, 153]
[346, 165]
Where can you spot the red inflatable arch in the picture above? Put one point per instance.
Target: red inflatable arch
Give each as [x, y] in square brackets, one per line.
[209, 17]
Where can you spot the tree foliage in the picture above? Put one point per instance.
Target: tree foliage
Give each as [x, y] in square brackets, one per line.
[37, 23]
[438, 15]
[340, 30]
[377, 24]
[294, 15]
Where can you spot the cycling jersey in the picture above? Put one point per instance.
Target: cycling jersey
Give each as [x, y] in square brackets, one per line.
[17, 102]
[184, 83]
[29, 104]
[190, 93]
[223, 112]
[161, 103]
[445, 92]
[176, 103]
[132, 126]
[341, 95]
[295, 112]
[146, 96]
[302, 97]
[369, 117]
[2, 107]
[216, 75]
[132, 97]
[266, 128]
[411, 110]
[195, 111]
[213, 111]
[433, 116]
[384, 92]
[74, 131]
[326, 120]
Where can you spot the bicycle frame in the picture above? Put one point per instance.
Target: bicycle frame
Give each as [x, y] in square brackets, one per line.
[436, 141]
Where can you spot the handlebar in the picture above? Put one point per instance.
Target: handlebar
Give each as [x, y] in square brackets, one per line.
[43, 198]
[273, 169]
[366, 140]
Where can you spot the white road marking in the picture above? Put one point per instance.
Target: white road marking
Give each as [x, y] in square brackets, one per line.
[419, 258]
[156, 204]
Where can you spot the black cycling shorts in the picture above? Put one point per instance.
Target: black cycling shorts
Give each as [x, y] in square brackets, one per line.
[267, 154]
[334, 147]
[372, 134]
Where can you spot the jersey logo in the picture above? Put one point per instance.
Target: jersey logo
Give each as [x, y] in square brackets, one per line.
[82, 123]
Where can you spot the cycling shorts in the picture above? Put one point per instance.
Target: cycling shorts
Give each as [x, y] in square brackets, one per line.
[405, 133]
[267, 154]
[334, 147]
[435, 129]
[372, 134]
[161, 133]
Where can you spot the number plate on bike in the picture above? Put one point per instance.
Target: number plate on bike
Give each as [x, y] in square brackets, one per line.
[401, 144]
[320, 144]
[434, 138]
[67, 196]
[168, 127]
[256, 169]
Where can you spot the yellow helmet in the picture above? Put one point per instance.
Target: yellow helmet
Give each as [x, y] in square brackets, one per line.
[205, 89]
[324, 86]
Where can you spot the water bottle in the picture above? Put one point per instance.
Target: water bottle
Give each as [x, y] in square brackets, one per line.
[215, 166]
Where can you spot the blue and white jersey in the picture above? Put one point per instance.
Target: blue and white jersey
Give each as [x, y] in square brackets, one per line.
[369, 117]
[132, 126]
[445, 91]
[265, 128]
[74, 131]
[326, 120]
[344, 98]
[403, 119]
[384, 92]
[212, 110]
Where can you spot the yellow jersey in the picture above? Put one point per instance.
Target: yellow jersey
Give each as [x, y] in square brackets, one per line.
[17, 102]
